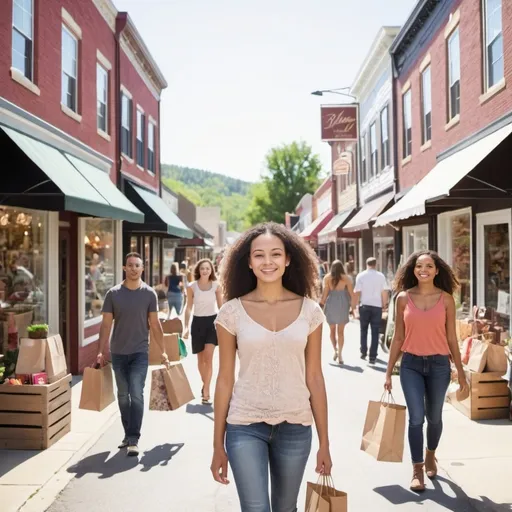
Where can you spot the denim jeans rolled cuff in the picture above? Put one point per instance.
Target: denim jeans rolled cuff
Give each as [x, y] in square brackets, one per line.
[424, 380]
[130, 371]
[253, 448]
[370, 316]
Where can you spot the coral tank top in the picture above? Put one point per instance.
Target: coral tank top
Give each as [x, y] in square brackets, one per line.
[425, 331]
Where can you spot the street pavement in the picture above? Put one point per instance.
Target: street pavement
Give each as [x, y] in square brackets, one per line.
[172, 472]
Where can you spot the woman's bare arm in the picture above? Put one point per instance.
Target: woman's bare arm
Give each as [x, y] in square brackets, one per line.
[399, 335]
[325, 292]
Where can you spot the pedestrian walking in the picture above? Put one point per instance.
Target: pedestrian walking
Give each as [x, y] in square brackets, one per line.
[204, 297]
[425, 336]
[263, 420]
[184, 274]
[337, 298]
[132, 307]
[372, 295]
[174, 283]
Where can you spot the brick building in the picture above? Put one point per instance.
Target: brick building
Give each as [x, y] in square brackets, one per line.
[452, 61]
[64, 125]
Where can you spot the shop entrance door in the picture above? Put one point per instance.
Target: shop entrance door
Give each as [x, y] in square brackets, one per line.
[494, 263]
[64, 257]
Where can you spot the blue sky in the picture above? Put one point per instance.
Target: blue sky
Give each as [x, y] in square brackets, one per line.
[240, 72]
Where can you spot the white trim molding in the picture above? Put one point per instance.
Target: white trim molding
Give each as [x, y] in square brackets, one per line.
[126, 92]
[453, 23]
[103, 134]
[20, 78]
[71, 113]
[103, 60]
[425, 62]
[152, 120]
[71, 23]
[108, 11]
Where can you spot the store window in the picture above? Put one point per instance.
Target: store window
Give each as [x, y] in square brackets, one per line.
[169, 250]
[384, 251]
[415, 238]
[23, 267]
[99, 264]
[455, 248]
[134, 244]
[147, 259]
[156, 261]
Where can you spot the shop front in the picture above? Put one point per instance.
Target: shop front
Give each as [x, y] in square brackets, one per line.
[310, 234]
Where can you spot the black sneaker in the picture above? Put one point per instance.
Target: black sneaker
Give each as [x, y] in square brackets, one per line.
[133, 450]
[363, 357]
[373, 360]
[124, 444]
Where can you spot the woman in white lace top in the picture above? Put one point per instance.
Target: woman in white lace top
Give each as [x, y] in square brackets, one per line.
[263, 420]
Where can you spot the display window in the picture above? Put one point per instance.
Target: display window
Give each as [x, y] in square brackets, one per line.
[157, 253]
[415, 238]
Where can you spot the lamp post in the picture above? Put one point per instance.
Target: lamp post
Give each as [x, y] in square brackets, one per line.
[334, 91]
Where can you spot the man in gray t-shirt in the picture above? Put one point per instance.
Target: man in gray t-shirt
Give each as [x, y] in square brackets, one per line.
[132, 307]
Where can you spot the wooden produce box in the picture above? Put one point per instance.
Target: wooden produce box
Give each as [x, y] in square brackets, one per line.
[34, 417]
[488, 398]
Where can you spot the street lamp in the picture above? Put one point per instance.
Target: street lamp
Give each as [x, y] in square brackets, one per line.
[334, 91]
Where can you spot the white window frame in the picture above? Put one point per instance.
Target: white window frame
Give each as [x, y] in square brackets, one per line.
[487, 44]
[451, 79]
[100, 70]
[127, 124]
[140, 135]
[151, 146]
[384, 143]
[406, 123]
[374, 151]
[444, 237]
[75, 39]
[425, 137]
[364, 167]
[19, 30]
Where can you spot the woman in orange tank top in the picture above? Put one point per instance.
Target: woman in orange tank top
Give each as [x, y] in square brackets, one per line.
[425, 335]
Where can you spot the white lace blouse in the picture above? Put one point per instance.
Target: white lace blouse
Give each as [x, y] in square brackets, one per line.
[271, 385]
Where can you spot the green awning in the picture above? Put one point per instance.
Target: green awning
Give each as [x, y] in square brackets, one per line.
[75, 185]
[158, 215]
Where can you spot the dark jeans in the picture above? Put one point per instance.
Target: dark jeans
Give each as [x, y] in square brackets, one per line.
[130, 372]
[370, 316]
[424, 380]
[175, 300]
[252, 449]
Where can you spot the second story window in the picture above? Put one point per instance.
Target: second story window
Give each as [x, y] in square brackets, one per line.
[407, 124]
[126, 125]
[373, 151]
[426, 106]
[454, 74]
[69, 96]
[151, 147]
[493, 53]
[22, 37]
[384, 138]
[141, 122]
[102, 97]
[364, 177]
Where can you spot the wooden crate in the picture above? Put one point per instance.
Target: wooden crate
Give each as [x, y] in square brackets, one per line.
[488, 399]
[34, 417]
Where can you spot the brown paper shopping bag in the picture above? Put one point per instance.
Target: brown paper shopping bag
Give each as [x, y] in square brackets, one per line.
[496, 359]
[171, 346]
[323, 497]
[158, 398]
[478, 356]
[173, 326]
[178, 387]
[384, 430]
[55, 359]
[97, 388]
[31, 357]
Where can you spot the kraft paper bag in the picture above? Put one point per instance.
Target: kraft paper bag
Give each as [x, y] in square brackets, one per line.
[158, 399]
[173, 326]
[178, 387]
[97, 388]
[323, 497]
[31, 357]
[496, 359]
[478, 356]
[55, 359]
[384, 431]
[171, 346]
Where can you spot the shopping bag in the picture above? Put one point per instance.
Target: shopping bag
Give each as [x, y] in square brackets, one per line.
[183, 348]
[496, 358]
[178, 387]
[323, 497]
[478, 356]
[31, 356]
[158, 399]
[384, 430]
[97, 388]
[173, 326]
[171, 347]
[55, 359]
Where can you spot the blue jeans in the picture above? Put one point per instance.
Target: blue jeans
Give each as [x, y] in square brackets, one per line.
[130, 372]
[253, 448]
[175, 301]
[424, 380]
[370, 316]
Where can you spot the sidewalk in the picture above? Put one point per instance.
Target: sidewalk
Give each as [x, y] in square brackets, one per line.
[28, 479]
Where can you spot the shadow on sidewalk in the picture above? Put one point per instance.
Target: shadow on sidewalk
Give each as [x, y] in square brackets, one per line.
[160, 455]
[456, 500]
[9, 459]
[105, 468]
[356, 369]
[203, 410]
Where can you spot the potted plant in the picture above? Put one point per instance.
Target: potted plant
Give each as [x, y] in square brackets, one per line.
[38, 331]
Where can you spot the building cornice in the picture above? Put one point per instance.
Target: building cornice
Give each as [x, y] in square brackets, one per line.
[109, 12]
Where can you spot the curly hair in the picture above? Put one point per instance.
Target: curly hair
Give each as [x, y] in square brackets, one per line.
[300, 277]
[445, 279]
[197, 274]
[337, 272]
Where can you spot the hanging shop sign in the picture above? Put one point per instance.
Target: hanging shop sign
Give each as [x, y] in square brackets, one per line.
[339, 122]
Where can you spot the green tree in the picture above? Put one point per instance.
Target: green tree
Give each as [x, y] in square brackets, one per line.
[292, 171]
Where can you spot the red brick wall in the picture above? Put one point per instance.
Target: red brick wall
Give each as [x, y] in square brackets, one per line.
[473, 115]
[96, 34]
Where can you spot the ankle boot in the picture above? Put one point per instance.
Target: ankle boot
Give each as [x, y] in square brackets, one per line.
[430, 463]
[417, 482]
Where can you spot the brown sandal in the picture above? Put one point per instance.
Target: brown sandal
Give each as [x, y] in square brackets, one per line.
[417, 482]
[431, 464]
